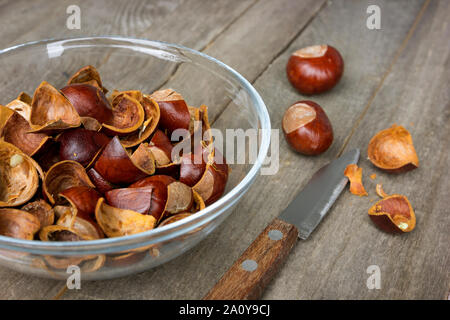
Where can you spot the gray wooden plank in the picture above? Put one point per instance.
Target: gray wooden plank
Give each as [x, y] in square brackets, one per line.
[248, 46]
[413, 266]
[135, 18]
[194, 273]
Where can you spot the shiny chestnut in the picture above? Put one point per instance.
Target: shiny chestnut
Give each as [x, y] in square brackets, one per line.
[315, 69]
[307, 128]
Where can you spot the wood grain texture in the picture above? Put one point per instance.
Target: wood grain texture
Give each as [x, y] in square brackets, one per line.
[130, 18]
[265, 255]
[195, 273]
[372, 95]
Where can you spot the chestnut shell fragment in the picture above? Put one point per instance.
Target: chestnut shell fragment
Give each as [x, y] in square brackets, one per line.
[81, 145]
[212, 184]
[89, 101]
[393, 214]
[151, 120]
[115, 166]
[41, 210]
[174, 110]
[128, 116]
[51, 111]
[18, 224]
[136, 199]
[89, 75]
[83, 199]
[21, 105]
[16, 130]
[392, 150]
[160, 184]
[62, 176]
[18, 174]
[117, 222]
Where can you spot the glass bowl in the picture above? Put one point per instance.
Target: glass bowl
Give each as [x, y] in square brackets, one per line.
[127, 63]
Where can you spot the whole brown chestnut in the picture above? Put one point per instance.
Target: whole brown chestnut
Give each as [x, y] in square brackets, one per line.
[315, 69]
[307, 128]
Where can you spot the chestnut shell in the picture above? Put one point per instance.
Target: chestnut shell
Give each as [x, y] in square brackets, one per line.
[115, 166]
[81, 145]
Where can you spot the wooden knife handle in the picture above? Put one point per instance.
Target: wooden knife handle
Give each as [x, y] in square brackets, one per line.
[249, 275]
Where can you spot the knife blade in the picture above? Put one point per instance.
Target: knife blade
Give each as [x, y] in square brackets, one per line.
[311, 205]
[250, 274]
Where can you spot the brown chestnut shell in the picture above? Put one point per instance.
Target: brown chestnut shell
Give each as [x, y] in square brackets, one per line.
[151, 120]
[128, 116]
[41, 210]
[161, 147]
[136, 199]
[89, 101]
[16, 130]
[18, 224]
[19, 176]
[392, 150]
[160, 184]
[21, 105]
[393, 214]
[174, 110]
[144, 159]
[64, 175]
[117, 222]
[87, 74]
[100, 183]
[115, 165]
[83, 199]
[212, 184]
[51, 111]
[81, 145]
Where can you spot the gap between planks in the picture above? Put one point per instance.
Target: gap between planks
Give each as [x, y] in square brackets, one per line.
[404, 43]
[283, 49]
[385, 75]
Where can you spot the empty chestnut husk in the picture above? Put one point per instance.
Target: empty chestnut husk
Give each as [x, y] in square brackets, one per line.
[89, 101]
[136, 199]
[88, 75]
[19, 176]
[16, 130]
[41, 210]
[18, 224]
[62, 176]
[81, 145]
[51, 111]
[393, 150]
[115, 165]
[174, 110]
[393, 214]
[117, 222]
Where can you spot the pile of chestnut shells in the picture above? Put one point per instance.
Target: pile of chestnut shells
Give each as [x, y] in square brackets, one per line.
[78, 165]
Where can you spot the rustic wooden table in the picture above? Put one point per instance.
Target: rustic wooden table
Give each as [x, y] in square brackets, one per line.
[398, 74]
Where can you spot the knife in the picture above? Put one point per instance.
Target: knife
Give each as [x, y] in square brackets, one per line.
[249, 275]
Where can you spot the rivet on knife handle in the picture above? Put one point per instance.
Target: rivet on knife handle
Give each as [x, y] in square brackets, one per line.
[250, 274]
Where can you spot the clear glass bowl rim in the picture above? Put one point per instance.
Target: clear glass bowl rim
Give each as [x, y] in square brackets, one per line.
[172, 230]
